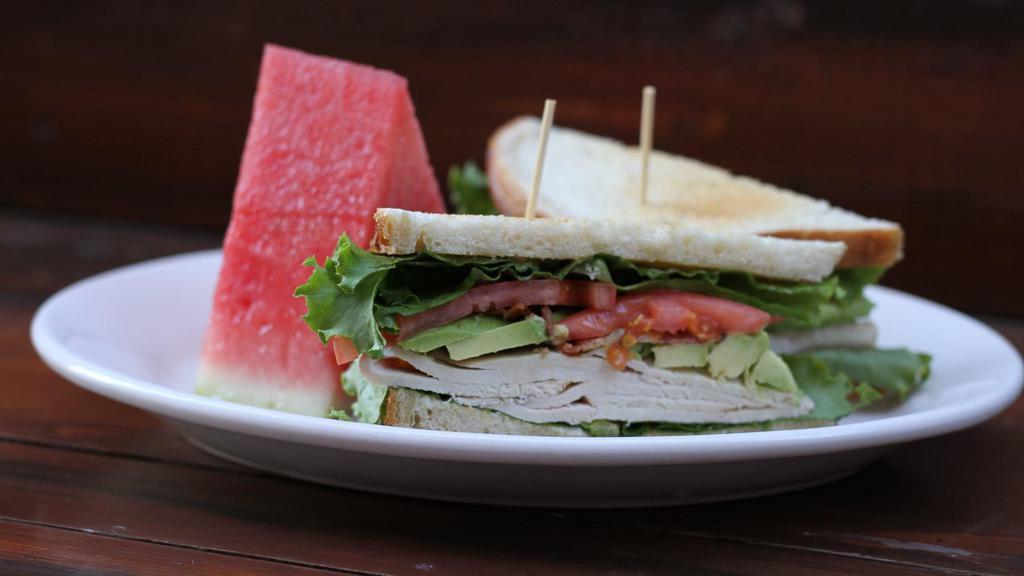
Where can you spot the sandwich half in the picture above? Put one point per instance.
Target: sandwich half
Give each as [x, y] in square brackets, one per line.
[589, 176]
[598, 327]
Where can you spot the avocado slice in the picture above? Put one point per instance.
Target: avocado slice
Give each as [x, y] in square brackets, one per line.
[682, 355]
[734, 355]
[450, 333]
[521, 333]
[773, 372]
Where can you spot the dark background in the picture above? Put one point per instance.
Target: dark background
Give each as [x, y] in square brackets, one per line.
[126, 113]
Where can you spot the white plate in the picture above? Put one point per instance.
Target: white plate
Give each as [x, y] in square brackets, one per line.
[134, 335]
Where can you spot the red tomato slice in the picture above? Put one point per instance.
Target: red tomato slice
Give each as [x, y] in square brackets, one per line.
[344, 350]
[503, 295]
[672, 312]
[592, 323]
[731, 317]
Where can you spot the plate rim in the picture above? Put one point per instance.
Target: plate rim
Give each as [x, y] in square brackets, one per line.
[509, 449]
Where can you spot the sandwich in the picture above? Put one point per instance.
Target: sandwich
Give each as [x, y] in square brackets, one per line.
[598, 327]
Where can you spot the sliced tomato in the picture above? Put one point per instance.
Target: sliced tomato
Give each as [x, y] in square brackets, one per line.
[344, 350]
[731, 317]
[591, 323]
[504, 295]
[669, 312]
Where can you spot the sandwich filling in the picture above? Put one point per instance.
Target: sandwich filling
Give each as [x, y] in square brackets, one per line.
[602, 343]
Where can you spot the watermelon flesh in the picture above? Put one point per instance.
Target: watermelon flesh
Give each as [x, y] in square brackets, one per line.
[329, 142]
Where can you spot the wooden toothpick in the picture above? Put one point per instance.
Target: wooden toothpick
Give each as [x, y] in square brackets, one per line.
[542, 146]
[646, 138]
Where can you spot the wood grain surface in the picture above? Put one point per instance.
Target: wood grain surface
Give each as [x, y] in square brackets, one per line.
[904, 110]
[89, 486]
[123, 126]
[34, 549]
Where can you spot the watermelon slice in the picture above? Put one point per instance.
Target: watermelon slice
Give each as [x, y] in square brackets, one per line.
[330, 141]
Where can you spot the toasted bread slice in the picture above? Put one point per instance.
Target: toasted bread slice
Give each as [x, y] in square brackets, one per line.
[587, 176]
[661, 244]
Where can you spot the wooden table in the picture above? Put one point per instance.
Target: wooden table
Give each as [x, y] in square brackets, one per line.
[89, 486]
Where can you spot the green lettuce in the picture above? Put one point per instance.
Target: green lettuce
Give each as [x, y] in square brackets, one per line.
[892, 372]
[368, 404]
[467, 190]
[357, 294]
[842, 380]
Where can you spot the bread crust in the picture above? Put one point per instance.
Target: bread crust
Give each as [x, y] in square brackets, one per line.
[393, 414]
[864, 248]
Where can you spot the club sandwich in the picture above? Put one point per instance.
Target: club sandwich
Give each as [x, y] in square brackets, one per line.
[598, 327]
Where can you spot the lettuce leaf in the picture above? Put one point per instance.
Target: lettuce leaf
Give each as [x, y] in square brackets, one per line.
[340, 295]
[842, 380]
[896, 372]
[369, 397]
[467, 190]
[357, 294]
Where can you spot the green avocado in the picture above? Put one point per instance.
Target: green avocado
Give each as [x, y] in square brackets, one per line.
[772, 371]
[521, 333]
[450, 333]
[734, 355]
[683, 355]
